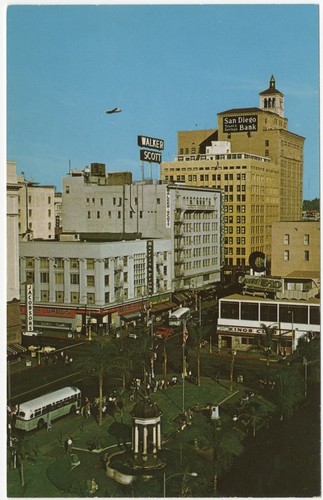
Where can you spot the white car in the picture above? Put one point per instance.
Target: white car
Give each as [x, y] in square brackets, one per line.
[47, 349]
[132, 336]
[32, 334]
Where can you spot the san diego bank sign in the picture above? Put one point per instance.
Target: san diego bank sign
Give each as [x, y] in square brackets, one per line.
[240, 123]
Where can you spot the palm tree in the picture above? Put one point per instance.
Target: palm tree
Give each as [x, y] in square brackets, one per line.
[225, 443]
[255, 415]
[268, 340]
[25, 448]
[165, 361]
[100, 359]
[195, 340]
[289, 390]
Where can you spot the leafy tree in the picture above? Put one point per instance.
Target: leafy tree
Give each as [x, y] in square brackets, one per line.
[311, 204]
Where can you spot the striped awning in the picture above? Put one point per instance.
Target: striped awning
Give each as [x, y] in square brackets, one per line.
[163, 306]
[15, 350]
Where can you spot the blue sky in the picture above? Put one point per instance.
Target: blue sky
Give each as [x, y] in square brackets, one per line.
[169, 67]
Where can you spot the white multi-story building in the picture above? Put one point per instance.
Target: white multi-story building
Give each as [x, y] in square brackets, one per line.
[189, 216]
[106, 280]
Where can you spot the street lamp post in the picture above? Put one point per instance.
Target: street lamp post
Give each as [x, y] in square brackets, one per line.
[305, 375]
[152, 318]
[192, 474]
[183, 369]
[233, 353]
[292, 313]
[88, 330]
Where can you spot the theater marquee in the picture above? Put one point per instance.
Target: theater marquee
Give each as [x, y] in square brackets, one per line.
[240, 123]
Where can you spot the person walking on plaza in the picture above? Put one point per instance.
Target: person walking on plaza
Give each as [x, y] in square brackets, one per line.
[69, 445]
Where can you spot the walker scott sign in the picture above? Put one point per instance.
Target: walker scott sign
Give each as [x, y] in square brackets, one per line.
[151, 143]
[151, 156]
[240, 123]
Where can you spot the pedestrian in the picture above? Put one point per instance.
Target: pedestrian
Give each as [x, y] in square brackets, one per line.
[93, 486]
[49, 423]
[88, 409]
[69, 445]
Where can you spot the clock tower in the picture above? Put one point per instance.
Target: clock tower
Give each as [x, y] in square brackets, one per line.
[272, 99]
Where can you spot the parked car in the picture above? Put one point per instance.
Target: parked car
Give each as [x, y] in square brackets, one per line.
[133, 335]
[32, 334]
[164, 332]
[47, 349]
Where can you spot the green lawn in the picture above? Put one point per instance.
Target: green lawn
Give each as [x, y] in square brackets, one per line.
[51, 456]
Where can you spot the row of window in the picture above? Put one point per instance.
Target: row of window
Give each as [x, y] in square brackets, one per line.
[238, 230]
[240, 219]
[253, 311]
[30, 226]
[197, 264]
[236, 250]
[30, 199]
[306, 239]
[119, 262]
[115, 201]
[120, 278]
[89, 298]
[306, 255]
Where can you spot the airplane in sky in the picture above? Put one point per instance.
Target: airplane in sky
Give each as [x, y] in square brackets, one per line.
[114, 110]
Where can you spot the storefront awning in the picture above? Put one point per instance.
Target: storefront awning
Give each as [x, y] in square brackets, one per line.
[15, 350]
[180, 297]
[131, 316]
[163, 306]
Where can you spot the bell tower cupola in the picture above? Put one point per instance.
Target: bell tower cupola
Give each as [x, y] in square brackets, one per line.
[272, 100]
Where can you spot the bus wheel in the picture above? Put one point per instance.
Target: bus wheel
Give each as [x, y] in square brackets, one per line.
[72, 409]
[41, 424]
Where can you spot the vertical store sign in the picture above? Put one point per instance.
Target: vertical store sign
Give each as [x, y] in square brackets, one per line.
[167, 208]
[29, 308]
[150, 267]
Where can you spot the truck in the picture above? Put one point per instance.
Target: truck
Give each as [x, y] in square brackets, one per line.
[164, 332]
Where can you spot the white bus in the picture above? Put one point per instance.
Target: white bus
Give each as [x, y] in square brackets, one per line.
[177, 317]
[38, 412]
